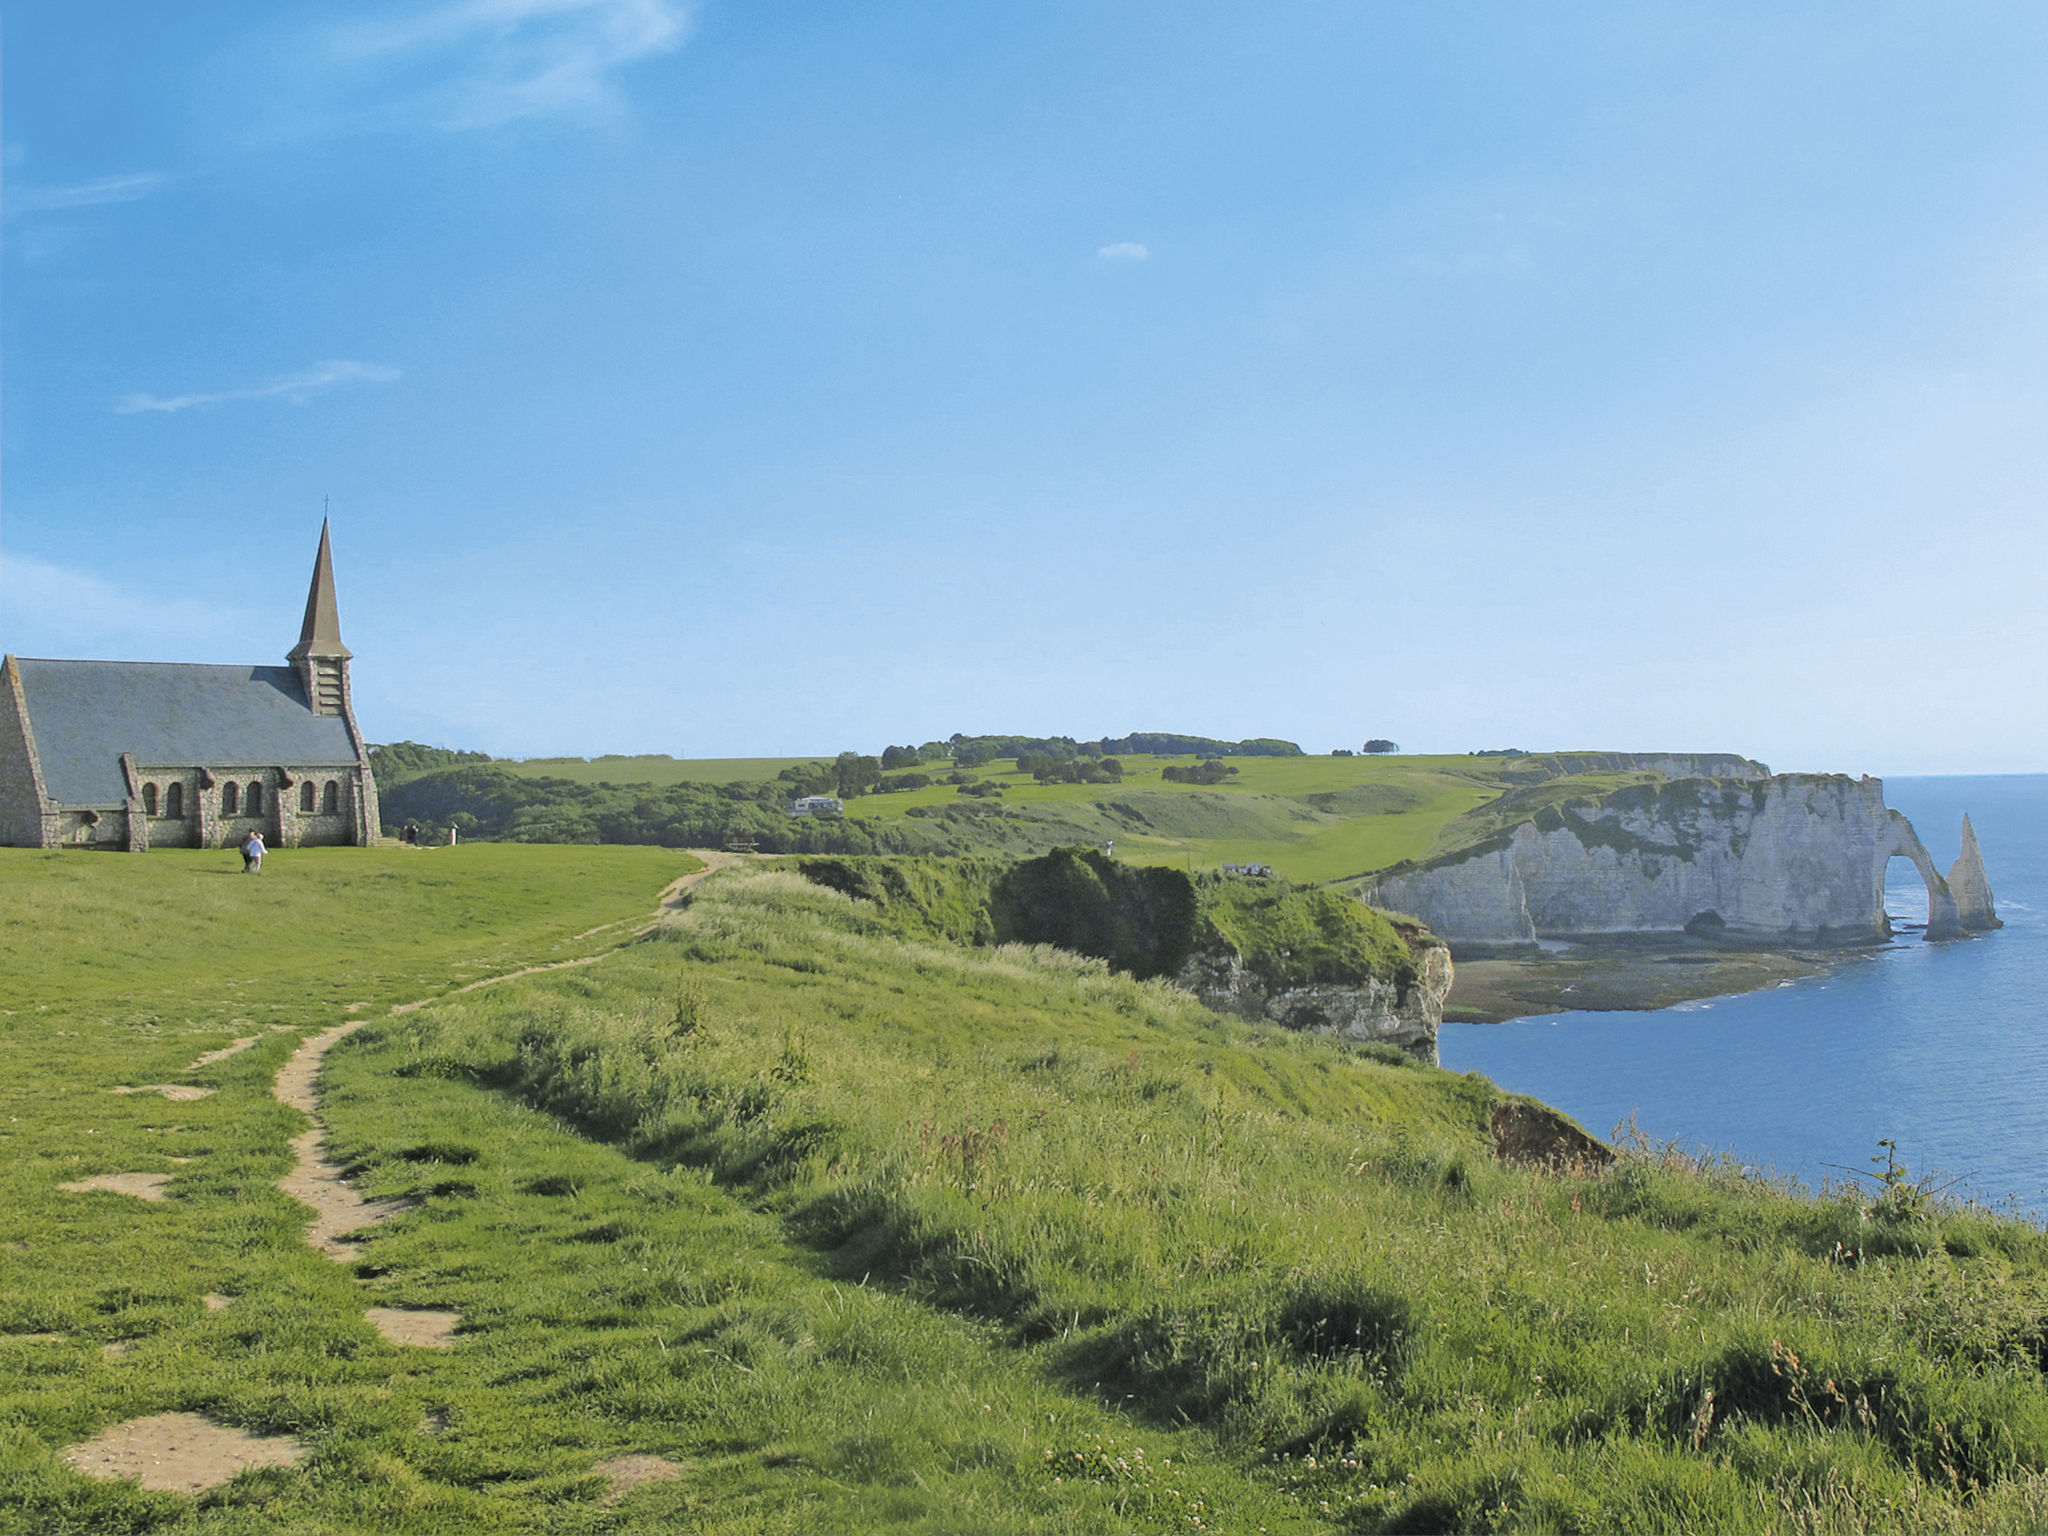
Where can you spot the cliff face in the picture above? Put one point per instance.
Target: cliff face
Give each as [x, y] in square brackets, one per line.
[1974, 906]
[1792, 856]
[1369, 1010]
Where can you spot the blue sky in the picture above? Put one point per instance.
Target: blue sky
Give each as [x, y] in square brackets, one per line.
[776, 377]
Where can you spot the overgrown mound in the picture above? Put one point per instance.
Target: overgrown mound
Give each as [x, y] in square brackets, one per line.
[1145, 921]
[1298, 935]
[1141, 920]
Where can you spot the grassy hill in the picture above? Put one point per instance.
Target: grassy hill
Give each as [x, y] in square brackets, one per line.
[867, 1231]
[1311, 818]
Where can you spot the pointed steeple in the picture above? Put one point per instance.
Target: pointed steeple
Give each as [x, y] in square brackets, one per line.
[320, 635]
[320, 659]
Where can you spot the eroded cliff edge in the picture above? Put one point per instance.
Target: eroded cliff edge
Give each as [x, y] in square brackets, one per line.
[1788, 858]
[1403, 1008]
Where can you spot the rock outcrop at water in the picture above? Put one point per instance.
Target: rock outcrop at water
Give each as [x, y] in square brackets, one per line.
[1791, 857]
[1975, 909]
[1400, 1013]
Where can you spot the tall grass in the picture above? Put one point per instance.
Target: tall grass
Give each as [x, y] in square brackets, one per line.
[870, 1231]
[1305, 1252]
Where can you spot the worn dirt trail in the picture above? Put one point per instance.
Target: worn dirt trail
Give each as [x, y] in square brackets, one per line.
[188, 1453]
[315, 1181]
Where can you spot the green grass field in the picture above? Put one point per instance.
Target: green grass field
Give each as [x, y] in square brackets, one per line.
[1322, 819]
[868, 1234]
[1311, 818]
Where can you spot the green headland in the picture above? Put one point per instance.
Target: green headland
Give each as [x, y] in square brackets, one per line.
[812, 1205]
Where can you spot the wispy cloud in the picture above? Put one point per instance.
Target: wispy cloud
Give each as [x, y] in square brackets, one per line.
[84, 194]
[298, 389]
[47, 606]
[1125, 250]
[485, 63]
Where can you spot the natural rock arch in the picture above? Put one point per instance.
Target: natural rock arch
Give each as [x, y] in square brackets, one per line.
[1900, 841]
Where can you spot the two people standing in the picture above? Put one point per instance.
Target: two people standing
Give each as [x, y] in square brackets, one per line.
[252, 854]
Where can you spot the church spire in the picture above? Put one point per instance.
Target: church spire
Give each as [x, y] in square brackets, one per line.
[320, 635]
[320, 658]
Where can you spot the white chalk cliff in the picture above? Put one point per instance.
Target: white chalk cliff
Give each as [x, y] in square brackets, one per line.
[1403, 1013]
[1967, 883]
[1798, 857]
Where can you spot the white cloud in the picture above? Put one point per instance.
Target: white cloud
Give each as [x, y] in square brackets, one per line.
[1124, 250]
[484, 63]
[53, 606]
[84, 194]
[298, 389]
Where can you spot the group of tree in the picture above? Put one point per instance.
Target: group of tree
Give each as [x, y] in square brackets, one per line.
[973, 751]
[912, 757]
[848, 776]
[1067, 766]
[392, 763]
[1210, 770]
[488, 801]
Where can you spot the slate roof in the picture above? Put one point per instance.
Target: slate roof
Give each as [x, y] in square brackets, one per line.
[85, 714]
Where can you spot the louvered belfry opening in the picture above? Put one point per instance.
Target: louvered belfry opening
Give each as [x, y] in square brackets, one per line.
[327, 695]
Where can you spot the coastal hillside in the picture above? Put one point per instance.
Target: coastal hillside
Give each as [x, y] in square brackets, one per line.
[1313, 818]
[811, 1216]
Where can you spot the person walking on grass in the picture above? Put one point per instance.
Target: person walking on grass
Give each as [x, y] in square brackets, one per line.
[252, 854]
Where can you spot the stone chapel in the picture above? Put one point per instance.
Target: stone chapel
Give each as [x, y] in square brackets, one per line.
[140, 754]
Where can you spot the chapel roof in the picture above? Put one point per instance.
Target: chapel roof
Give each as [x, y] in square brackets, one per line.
[85, 714]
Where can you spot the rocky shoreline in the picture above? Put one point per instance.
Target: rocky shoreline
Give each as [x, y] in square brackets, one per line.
[1626, 975]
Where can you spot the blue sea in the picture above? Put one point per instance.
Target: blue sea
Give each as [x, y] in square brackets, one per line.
[1940, 1047]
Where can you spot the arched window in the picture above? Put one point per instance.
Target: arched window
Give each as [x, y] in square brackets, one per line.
[252, 800]
[174, 801]
[307, 792]
[230, 797]
[330, 801]
[149, 799]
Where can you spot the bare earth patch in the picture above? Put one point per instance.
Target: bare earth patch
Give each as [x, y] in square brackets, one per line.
[417, 1326]
[215, 1302]
[178, 1093]
[625, 1473]
[179, 1452]
[143, 1186]
[223, 1053]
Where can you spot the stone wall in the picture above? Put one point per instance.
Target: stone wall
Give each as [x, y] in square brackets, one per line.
[281, 822]
[1794, 856]
[22, 823]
